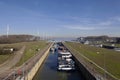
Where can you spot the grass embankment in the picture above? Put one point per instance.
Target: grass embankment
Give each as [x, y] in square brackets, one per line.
[4, 58]
[31, 50]
[100, 56]
[117, 45]
[110, 44]
[28, 53]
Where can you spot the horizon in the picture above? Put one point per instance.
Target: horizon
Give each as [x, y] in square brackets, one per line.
[57, 37]
[60, 18]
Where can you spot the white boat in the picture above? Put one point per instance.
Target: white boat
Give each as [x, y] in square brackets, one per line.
[65, 54]
[65, 61]
[66, 67]
[66, 64]
[52, 49]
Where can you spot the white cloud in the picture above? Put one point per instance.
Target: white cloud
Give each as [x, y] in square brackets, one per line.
[111, 21]
[95, 22]
[106, 23]
[79, 27]
[116, 18]
[81, 19]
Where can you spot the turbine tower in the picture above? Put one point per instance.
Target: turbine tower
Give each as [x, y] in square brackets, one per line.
[8, 30]
[38, 35]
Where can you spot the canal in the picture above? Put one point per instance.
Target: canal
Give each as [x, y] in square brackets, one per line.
[48, 71]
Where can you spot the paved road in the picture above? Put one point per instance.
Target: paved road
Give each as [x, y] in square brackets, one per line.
[10, 63]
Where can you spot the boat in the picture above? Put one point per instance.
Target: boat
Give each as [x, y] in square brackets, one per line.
[52, 49]
[65, 54]
[65, 61]
[66, 67]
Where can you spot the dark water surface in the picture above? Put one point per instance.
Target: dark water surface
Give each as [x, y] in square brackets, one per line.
[48, 71]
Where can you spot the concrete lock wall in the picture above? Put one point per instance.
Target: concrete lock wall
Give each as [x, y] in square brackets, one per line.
[34, 70]
[85, 73]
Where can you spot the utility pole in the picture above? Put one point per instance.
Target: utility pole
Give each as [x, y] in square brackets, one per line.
[38, 35]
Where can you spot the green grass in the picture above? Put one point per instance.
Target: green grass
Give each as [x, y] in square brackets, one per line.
[110, 44]
[117, 45]
[4, 58]
[31, 50]
[112, 58]
[15, 45]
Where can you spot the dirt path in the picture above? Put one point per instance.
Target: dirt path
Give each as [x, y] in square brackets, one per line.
[8, 74]
[9, 64]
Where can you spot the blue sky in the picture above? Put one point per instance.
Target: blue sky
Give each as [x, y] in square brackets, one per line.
[62, 18]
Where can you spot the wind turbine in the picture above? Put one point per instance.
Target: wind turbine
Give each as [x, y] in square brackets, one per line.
[8, 28]
[38, 35]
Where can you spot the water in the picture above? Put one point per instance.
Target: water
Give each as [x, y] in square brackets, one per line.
[62, 39]
[48, 71]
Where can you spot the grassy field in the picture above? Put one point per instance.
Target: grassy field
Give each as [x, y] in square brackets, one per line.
[117, 45]
[3, 58]
[100, 56]
[29, 51]
[110, 44]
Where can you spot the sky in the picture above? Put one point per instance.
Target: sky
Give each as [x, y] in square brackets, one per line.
[60, 18]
